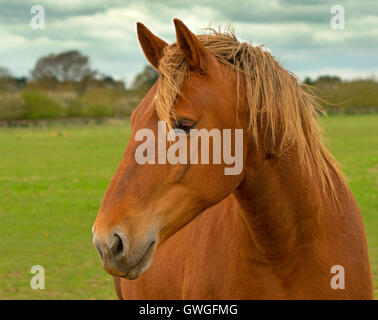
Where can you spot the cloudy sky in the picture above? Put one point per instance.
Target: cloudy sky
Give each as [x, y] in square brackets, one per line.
[298, 33]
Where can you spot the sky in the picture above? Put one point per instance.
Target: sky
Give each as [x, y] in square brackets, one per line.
[297, 33]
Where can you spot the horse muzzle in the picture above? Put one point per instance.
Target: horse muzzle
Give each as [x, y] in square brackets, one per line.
[120, 258]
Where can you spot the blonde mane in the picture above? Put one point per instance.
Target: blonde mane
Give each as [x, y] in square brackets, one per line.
[282, 114]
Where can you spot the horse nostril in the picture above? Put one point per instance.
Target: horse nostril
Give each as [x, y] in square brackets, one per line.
[113, 246]
[117, 245]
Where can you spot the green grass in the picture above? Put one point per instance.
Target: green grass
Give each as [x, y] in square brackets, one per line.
[52, 181]
[353, 140]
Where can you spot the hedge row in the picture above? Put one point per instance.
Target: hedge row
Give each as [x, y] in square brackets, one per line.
[97, 102]
[39, 104]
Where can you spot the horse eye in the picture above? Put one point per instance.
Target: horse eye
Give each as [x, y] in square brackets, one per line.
[184, 124]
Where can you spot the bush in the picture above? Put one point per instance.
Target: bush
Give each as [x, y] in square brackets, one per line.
[12, 106]
[124, 107]
[347, 96]
[75, 109]
[97, 109]
[97, 102]
[40, 104]
[69, 102]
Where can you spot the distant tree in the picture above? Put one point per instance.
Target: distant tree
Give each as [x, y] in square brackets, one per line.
[110, 82]
[63, 67]
[5, 73]
[328, 79]
[7, 82]
[308, 81]
[146, 78]
[21, 82]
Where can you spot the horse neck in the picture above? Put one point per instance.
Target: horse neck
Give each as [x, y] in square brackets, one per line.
[279, 204]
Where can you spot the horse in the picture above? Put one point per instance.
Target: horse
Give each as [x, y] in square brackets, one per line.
[286, 227]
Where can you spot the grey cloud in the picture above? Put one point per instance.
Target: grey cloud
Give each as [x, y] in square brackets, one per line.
[297, 32]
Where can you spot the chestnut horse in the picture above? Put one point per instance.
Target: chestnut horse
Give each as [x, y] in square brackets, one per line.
[285, 227]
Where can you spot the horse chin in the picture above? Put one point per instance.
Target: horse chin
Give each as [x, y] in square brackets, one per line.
[139, 269]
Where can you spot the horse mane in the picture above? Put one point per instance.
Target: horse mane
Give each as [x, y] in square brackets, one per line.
[282, 112]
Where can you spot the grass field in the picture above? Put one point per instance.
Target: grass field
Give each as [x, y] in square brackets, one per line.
[52, 181]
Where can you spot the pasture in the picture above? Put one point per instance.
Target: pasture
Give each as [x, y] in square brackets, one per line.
[52, 181]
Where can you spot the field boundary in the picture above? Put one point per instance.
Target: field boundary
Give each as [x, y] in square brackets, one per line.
[20, 123]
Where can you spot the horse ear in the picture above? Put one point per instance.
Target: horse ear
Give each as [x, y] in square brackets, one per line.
[152, 45]
[197, 56]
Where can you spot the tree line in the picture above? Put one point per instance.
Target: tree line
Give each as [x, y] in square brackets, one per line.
[64, 85]
[353, 96]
